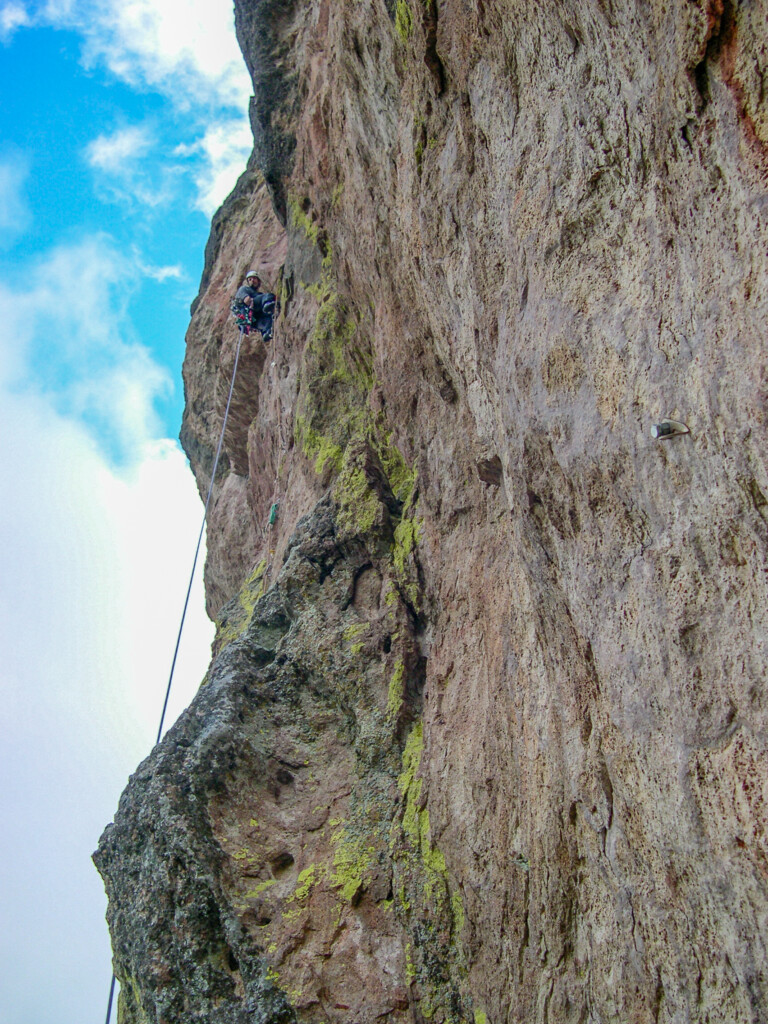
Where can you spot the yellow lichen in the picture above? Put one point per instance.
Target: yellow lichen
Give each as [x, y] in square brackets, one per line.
[407, 533]
[403, 20]
[315, 446]
[307, 878]
[359, 506]
[396, 691]
[410, 970]
[300, 219]
[235, 616]
[352, 860]
[260, 888]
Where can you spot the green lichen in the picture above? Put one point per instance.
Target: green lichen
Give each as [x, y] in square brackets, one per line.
[352, 861]
[307, 878]
[351, 633]
[359, 507]
[424, 896]
[320, 449]
[396, 691]
[260, 888]
[481, 1017]
[129, 1002]
[409, 785]
[235, 616]
[457, 912]
[402, 478]
[406, 538]
[403, 20]
[321, 290]
[418, 153]
[403, 900]
[336, 428]
[336, 379]
[300, 219]
[327, 258]
[407, 534]
[410, 970]
[416, 821]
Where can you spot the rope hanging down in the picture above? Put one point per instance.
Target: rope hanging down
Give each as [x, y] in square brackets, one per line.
[189, 587]
[200, 537]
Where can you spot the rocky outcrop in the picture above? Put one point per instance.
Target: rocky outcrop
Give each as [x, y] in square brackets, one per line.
[484, 735]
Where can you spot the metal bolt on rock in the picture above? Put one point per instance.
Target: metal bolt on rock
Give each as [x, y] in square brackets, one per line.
[668, 428]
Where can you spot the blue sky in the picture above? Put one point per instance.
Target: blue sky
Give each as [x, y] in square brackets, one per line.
[124, 125]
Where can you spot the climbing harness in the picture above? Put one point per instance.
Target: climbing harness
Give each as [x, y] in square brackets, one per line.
[262, 319]
[189, 587]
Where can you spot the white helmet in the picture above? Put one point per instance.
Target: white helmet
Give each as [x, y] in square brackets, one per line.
[252, 273]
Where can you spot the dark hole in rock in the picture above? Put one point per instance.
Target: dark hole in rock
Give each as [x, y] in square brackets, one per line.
[387, 645]
[234, 963]
[281, 863]
[284, 777]
[490, 471]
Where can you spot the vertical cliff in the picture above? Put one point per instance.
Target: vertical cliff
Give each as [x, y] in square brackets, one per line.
[484, 734]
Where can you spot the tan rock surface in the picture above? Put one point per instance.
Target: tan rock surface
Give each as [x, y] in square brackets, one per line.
[515, 236]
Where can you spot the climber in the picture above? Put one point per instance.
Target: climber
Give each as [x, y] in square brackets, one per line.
[253, 309]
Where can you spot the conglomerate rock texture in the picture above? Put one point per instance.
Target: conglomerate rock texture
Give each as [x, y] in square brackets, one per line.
[484, 735]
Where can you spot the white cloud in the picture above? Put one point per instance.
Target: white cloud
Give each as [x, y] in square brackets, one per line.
[14, 212]
[225, 148]
[94, 570]
[186, 51]
[126, 171]
[13, 16]
[65, 331]
[162, 274]
[94, 566]
[183, 48]
[67, 302]
[111, 153]
[214, 162]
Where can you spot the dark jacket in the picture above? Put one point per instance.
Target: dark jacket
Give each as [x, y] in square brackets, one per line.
[259, 315]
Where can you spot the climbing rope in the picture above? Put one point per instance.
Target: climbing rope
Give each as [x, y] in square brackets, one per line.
[111, 997]
[202, 530]
[189, 587]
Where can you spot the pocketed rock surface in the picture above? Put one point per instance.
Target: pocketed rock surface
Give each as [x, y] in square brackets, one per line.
[484, 734]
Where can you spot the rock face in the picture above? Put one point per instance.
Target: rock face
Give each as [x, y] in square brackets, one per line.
[484, 734]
